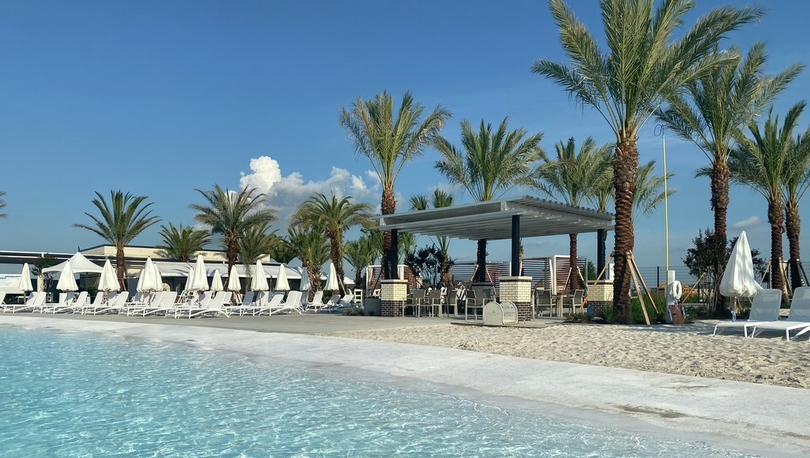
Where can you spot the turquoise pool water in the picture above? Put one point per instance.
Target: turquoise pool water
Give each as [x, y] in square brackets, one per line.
[79, 395]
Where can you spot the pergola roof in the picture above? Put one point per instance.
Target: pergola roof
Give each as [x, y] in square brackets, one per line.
[493, 220]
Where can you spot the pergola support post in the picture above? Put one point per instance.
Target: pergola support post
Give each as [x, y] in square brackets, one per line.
[515, 271]
[393, 290]
[393, 254]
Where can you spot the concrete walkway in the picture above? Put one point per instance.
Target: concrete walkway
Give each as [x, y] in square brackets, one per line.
[763, 419]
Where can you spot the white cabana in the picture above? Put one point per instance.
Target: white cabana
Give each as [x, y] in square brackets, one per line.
[233, 280]
[738, 277]
[281, 280]
[199, 281]
[66, 281]
[78, 265]
[108, 281]
[25, 279]
[259, 280]
[331, 279]
[216, 282]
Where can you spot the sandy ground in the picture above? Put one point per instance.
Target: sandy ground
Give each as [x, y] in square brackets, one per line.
[683, 350]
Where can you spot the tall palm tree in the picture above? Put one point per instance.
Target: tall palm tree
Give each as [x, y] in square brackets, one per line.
[491, 163]
[627, 83]
[440, 199]
[390, 138]
[2, 203]
[359, 253]
[182, 242]
[795, 185]
[333, 216]
[120, 220]
[570, 177]
[231, 214]
[312, 248]
[256, 242]
[760, 163]
[716, 107]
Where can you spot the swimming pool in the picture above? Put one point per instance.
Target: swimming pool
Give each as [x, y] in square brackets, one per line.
[67, 394]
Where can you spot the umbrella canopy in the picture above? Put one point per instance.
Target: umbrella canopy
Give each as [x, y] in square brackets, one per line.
[216, 283]
[305, 283]
[199, 281]
[149, 279]
[738, 277]
[78, 265]
[332, 279]
[66, 281]
[233, 280]
[281, 280]
[108, 280]
[259, 280]
[25, 279]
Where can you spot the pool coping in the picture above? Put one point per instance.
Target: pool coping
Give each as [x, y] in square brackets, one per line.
[752, 417]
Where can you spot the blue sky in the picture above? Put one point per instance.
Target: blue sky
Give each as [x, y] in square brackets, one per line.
[160, 98]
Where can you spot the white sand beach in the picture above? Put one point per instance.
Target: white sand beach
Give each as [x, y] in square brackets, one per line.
[687, 350]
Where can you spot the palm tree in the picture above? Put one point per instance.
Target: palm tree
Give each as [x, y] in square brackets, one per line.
[256, 242]
[280, 249]
[182, 242]
[2, 203]
[717, 107]
[359, 253]
[441, 199]
[627, 83]
[333, 216]
[796, 183]
[312, 248]
[120, 220]
[760, 163]
[491, 164]
[231, 214]
[390, 139]
[571, 176]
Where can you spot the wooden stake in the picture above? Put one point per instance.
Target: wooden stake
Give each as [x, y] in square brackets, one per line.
[634, 276]
[643, 283]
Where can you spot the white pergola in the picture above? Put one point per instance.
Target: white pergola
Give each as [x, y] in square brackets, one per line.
[497, 220]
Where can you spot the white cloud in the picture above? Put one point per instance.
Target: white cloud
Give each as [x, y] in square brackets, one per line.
[286, 193]
[747, 222]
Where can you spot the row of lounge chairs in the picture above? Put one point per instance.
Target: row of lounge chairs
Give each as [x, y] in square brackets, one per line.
[764, 314]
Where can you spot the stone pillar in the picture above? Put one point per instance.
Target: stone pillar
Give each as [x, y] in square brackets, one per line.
[518, 290]
[393, 294]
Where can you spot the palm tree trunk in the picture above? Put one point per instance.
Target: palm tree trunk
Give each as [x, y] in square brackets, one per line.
[776, 217]
[793, 229]
[719, 200]
[625, 169]
[314, 280]
[481, 260]
[572, 260]
[388, 206]
[121, 266]
[232, 250]
[601, 239]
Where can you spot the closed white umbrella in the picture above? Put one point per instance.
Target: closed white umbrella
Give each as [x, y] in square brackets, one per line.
[25, 279]
[233, 280]
[259, 280]
[281, 280]
[66, 281]
[189, 276]
[216, 283]
[332, 279]
[738, 277]
[199, 282]
[149, 280]
[158, 277]
[108, 280]
[305, 283]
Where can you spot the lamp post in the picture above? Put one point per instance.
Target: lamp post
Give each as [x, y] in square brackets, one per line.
[661, 130]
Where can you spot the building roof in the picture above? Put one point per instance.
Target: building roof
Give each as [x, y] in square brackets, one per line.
[493, 220]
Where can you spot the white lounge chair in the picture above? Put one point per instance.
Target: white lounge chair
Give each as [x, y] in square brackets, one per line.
[317, 302]
[271, 305]
[216, 306]
[116, 304]
[765, 307]
[67, 302]
[798, 318]
[347, 300]
[2, 298]
[333, 301]
[246, 306]
[292, 304]
[163, 305]
[35, 299]
[192, 307]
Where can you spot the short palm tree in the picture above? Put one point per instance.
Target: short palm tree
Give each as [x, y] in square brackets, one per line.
[760, 163]
[312, 248]
[716, 107]
[571, 177]
[280, 249]
[440, 199]
[360, 253]
[2, 203]
[182, 242]
[491, 163]
[120, 220]
[796, 182]
[333, 216]
[256, 242]
[231, 214]
[390, 138]
[627, 83]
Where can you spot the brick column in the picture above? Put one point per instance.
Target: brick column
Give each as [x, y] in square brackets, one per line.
[393, 294]
[518, 290]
